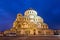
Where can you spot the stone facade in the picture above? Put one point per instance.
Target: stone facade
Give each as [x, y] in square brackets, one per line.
[29, 24]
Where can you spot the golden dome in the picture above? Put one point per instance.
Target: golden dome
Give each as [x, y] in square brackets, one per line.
[19, 14]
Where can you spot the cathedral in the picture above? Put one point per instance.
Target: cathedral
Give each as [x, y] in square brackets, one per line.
[29, 24]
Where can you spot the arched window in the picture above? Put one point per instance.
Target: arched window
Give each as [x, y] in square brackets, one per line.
[30, 11]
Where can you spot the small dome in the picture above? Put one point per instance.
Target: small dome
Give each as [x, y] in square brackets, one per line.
[30, 11]
[40, 19]
[19, 14]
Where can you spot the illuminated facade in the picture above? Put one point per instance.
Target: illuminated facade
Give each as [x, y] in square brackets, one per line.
[29, 24]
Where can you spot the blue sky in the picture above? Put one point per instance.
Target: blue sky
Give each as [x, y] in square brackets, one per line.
[49, 10]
